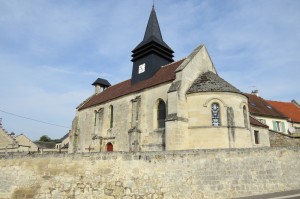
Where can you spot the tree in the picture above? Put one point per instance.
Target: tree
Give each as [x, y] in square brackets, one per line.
[45, 138]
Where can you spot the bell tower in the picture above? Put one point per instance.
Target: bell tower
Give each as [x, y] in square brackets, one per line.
[151, 53]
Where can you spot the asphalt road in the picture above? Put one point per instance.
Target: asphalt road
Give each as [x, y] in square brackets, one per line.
[278, 195]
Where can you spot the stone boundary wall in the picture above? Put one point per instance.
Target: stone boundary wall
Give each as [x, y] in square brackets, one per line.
[278, 139]
[195, 174]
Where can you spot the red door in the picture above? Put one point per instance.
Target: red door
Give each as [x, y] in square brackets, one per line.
[109, 147]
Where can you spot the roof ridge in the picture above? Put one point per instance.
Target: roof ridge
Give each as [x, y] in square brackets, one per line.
[279, 101]
[160, 68]
[173, 62]
[165, 74]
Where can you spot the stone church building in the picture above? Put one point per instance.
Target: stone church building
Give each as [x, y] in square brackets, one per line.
[166, 105]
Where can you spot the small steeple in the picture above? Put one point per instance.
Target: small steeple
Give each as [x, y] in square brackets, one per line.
[151, 53]
[100, 85]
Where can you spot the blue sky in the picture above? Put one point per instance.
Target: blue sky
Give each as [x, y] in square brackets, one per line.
[51, 51]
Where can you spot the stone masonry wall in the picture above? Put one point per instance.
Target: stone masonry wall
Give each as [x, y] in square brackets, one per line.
[283, 140]
[220, 173]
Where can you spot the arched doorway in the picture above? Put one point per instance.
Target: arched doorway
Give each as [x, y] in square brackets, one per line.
[109, 147]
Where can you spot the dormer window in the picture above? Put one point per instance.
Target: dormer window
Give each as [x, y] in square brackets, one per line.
[142, 68]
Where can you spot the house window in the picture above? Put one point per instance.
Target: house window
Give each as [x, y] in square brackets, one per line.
[161, 114]
[111, 124]
[245, 117]
[256, 137]
[278, 126]
[215, 112]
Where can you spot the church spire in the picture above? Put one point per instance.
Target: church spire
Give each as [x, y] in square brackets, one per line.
[153, 29]
[151, 53]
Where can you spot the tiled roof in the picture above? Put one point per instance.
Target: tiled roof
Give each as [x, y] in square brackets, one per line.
[165, 74]
[255, 122]
[211, 82]
[289, 109]
[260, 107]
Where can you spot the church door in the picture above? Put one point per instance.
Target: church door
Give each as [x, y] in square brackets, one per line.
[109, 147]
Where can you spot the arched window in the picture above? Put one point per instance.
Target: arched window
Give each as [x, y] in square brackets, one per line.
[111, 124]
[161, 114]
[215, 114]
[109, 147]
[245, 117]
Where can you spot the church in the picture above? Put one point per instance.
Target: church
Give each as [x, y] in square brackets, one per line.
[166, 105]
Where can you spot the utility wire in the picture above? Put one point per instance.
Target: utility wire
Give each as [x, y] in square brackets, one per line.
[34, 119]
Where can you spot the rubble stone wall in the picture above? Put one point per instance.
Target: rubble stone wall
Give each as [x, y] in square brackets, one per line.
[283, 140]
[215, 173]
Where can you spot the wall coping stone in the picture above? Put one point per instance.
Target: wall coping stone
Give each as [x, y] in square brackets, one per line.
[149, 155]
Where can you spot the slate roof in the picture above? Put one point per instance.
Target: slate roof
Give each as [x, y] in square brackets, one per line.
[255, 122]
[260, 107]
[153, 33]
[211, 82]
[164, 75]
[289, 109]
[101, 82]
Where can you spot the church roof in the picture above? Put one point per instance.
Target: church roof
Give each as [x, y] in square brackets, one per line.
[164, 75]
[211, 82]
[289, 109]
[260, 107]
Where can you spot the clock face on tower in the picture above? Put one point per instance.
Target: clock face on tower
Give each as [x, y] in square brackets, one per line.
[142, 68]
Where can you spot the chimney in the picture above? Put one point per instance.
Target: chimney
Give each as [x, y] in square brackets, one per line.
[296, 103]
[255, 92]
[97, 89]
[100, 85]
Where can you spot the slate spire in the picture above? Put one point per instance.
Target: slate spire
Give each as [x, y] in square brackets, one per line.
[151, 53]
[153, 27]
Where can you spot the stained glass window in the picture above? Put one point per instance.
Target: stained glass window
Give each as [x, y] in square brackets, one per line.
[215, 112]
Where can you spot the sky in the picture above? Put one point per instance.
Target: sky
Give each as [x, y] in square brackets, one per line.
[52, 51]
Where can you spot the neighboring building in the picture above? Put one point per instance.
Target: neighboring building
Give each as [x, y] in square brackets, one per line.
[20, 143]
[63, 145]
[260, 133]
[7, 142]
[166, 105]
[25, 144]
[267, 114]
[292, 111]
